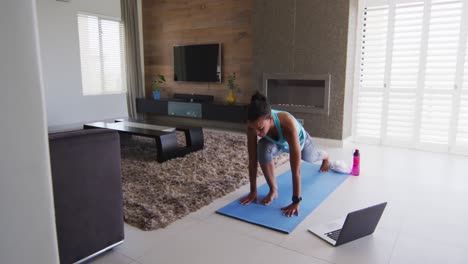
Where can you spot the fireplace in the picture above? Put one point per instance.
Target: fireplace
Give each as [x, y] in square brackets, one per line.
[299, 93]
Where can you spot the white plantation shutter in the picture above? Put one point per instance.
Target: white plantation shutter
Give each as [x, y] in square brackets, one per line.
[373, 58]
[435, 119]
[462, 133]
[404, 72]
[412, 61]
[101, 54]
[441, 62]
[462, 126]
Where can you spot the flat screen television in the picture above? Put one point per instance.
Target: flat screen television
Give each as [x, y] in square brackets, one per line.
[197, 63]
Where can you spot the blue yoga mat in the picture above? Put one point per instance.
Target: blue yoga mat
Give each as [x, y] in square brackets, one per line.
[316, 186]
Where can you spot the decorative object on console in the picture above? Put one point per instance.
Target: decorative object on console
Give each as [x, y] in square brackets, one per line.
[156, 194]
[160, 79]
[231, 98]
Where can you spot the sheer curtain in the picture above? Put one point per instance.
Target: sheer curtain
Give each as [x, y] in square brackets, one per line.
[135, 87]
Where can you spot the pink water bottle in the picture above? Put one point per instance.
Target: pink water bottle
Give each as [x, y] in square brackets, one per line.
[356, 160]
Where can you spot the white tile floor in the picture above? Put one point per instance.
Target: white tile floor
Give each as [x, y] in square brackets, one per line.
[425, 220]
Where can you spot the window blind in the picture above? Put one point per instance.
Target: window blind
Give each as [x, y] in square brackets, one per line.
[101, 54]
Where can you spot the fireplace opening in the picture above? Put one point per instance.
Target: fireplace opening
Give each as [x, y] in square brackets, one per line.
[301, 93]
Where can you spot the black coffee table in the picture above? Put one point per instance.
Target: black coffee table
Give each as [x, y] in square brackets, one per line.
[165, 137]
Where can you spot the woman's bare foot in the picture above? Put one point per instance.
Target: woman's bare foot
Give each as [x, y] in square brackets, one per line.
[270, 197]
[325, 165]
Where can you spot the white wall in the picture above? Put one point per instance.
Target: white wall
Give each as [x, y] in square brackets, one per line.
[58, 34]
[27, 222]
[351, 64]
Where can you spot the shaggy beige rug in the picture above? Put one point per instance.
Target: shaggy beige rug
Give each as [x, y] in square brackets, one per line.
[156, 194]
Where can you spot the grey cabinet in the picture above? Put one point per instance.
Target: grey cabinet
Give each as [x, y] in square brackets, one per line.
[87, 188]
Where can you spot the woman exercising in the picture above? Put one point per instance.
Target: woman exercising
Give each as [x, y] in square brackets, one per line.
[279, 132]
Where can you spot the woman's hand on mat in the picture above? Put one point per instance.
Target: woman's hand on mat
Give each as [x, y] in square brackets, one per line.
[252, 197]
[290, 210]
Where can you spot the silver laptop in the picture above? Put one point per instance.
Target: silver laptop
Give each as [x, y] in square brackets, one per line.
[357, 224]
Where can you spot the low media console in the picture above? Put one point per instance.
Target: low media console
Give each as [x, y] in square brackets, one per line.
[197, 98]
[193, 106]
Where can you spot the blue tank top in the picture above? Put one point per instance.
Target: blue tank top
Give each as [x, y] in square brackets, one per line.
[281, 142]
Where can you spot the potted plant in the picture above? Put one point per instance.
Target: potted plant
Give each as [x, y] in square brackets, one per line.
[156, 85]
[231, 99]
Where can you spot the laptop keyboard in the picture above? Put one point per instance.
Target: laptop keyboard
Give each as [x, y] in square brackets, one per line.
[333, 234]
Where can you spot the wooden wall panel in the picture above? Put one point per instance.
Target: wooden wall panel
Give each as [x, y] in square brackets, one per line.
[176, 22]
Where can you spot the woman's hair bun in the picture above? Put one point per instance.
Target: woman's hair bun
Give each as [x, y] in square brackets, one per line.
[258, 97]
[259, 107]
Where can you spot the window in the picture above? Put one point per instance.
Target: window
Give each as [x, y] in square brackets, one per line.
[102, 55]
[413, 85]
